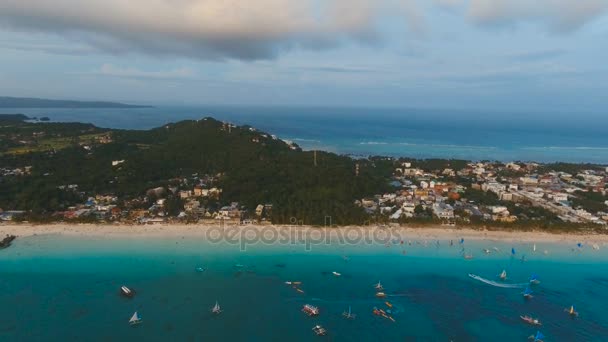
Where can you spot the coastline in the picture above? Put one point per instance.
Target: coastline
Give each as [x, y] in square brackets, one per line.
[198, 230]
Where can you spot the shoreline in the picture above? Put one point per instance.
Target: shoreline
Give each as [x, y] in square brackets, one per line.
[198, 230]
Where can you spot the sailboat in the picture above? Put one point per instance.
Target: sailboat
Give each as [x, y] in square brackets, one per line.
[534, 279]
[216, 308]
[538, 337]
[379, 286]
[571, 311]
[527, 293]
[503, 275]
[349, 314]
[135, 319]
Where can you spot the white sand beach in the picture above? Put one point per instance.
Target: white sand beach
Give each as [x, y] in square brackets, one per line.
[202, 230]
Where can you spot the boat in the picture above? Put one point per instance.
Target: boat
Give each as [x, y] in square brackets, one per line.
[487, 251]
[571, 311]
[127, 292]
[534, 279]
[503, 275]
[530, 320]
[379, 286]
[389, 304]
[6, 242]
[135, 319]
[380, 294]
[310, 310]
[300, 290]
[336, 273]
[468, 256]
[200, 269]
[538, 337]
[534, 248]
[216, 309]
[319, 330]
[527, 293]
[239, 265]
[348, 314]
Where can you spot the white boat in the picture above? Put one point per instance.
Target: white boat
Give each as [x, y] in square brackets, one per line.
[216, 308]
[135, 319]
[127, 292]
[503, 275]
[336, 273]
[349, 314]
[534, 248]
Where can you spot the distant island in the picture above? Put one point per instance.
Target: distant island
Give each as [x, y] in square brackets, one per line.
[23, 102]
[209, 171]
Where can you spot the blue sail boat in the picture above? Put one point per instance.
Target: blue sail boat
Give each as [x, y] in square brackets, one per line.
[527, 293]
[534, 279]
[539, 337]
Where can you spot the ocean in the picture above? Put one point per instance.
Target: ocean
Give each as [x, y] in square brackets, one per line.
[55, 288]
[471, 135]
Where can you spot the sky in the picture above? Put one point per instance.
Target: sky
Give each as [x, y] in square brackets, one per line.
[542, 55]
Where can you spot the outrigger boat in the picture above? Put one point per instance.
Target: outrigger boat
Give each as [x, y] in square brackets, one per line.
[336, 273]
[380, 312]
[534, 279]
[349, 314]
[503, 275]
[127, 292]
[310, 310]
[487, 251]
[216, 309]
[319, 330]
[538, 337]
[571, 311]
[135, 320]
[379, 286]
[527, 293]
[530, 320]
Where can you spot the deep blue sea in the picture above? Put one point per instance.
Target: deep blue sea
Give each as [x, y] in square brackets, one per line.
[473, 135]
[58, 288]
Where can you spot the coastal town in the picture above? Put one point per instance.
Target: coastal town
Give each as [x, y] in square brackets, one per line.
[487, 193]
[493, 192]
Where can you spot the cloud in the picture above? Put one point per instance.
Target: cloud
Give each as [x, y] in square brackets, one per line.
[115, 71]
[263, 29]
[560, 15]
[206, 29]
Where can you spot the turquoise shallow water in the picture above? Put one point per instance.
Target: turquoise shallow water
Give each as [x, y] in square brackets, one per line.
[64, 288]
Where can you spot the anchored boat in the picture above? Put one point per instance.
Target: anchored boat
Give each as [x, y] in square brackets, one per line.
[503, 275]
[319, 330]
[310, 310]
[530, 320]
[127, 292]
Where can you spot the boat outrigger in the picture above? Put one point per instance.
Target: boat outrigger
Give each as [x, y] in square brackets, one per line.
[348, 314]
[503, 275]
[135, 319]
[571, 311]
[319, 330]
[216, 309]
[127, 292]
[310, 310]
[530, 320]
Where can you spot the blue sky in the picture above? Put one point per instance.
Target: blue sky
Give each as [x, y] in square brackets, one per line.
[486, 54]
